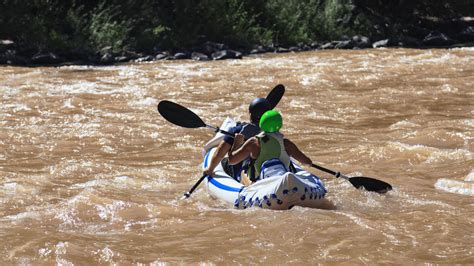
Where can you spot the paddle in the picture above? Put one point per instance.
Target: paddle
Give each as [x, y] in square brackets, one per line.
[275, 95]
[182, 116]
[368, 183]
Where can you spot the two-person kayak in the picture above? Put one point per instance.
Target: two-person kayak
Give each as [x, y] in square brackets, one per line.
[279, 192]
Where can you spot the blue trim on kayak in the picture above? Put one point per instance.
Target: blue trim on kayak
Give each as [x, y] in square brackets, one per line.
[222, 186]
[217, 183]
[206, 158]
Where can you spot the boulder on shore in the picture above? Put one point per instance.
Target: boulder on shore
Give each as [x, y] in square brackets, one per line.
[46, 59]
[226, 54]
[436, 38]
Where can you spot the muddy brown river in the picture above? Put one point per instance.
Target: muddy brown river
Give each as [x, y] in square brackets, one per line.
[90, 173]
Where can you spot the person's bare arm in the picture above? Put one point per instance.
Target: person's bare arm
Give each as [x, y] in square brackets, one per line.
[217, 157]
[248, 149]
[296, 153]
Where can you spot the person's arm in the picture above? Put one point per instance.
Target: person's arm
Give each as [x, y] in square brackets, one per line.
[249, 148]
[296, 153]
[217, 157]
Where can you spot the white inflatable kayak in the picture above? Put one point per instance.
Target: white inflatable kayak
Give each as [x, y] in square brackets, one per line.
[279, 192]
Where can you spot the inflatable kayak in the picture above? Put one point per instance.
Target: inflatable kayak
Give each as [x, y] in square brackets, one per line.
[279, 192]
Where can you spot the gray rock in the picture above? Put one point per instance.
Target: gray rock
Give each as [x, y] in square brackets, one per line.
[121, 59]
[107, 59]
[467, 35]
[436, 38]
[329, 45]
[199, 56]
[161, 56]
[182, 55]
[361, 42]
[10, 57]
[294, 49]
[345, 45]
[281, 50]
[147, 58]
[258, 49]
[315, 45]
[45, 59]
[226, 54]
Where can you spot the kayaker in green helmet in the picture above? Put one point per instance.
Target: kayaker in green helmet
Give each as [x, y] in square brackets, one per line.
[269, 150]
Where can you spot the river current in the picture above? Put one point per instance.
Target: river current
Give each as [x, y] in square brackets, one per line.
[90, 172]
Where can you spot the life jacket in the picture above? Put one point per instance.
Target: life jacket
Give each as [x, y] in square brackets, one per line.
[271, 147]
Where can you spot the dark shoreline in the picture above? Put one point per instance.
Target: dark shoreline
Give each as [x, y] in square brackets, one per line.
[216, 51]
[45, 33]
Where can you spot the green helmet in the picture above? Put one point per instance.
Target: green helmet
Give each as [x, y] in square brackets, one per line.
[271, 121]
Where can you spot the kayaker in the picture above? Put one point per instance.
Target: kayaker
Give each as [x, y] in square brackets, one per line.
[269, 150]
[257, 108]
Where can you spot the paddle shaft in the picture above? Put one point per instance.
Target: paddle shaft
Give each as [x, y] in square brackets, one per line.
[187, 194]
[216, 129]
[336, 174]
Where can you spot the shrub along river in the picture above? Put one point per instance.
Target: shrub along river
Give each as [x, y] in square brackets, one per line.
[91, 173]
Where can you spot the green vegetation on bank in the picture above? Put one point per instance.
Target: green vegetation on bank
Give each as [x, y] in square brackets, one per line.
[82, 27]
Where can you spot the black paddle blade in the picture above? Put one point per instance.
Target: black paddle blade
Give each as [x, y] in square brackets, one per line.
[275, 95]
[179, 115]
[370, 184]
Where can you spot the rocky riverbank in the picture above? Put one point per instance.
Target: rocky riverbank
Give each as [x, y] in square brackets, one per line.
[10, 54]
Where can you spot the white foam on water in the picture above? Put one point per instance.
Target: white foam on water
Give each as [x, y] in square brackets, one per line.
[322, 116]
[108, 149]
[14, 189]
[432, 154]
[80, 87]
[466, 49]
[308, 80]
[187, 70]
[449, 154]
[468, 122]
[109, 211]
[356, 220]
[403, 124]
[21, 216]
[89, 184]
[10, 187]
[9, 91]
[412, 200]
[446, 88]
[124, 182]
[470, 177]
[299, 104]
[67, 104]
[106, 254]
[16, 107]
[402, 147]
[86, 87]
[455, 186]
[144, 102]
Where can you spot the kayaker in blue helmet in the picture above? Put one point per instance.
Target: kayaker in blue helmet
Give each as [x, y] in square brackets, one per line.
[269, 150]
[246, 130]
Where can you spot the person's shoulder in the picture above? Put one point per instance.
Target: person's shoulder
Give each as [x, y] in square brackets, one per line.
[235, 129]
[252, 140]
